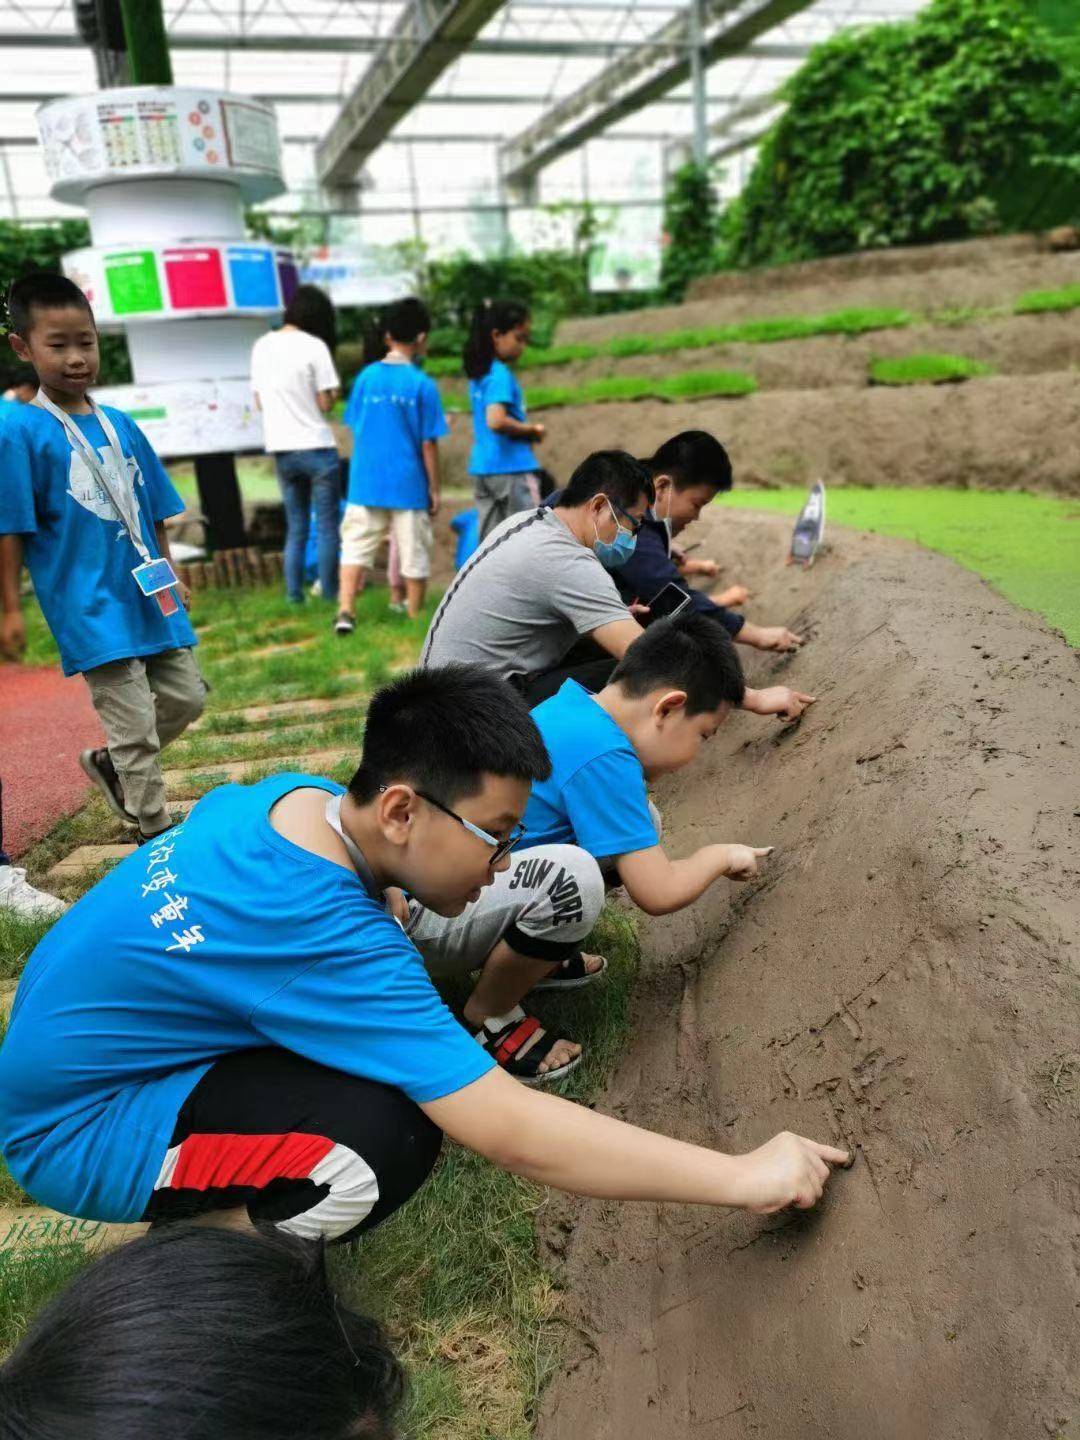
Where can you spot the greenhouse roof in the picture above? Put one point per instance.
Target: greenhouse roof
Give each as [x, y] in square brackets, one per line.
[398, 122]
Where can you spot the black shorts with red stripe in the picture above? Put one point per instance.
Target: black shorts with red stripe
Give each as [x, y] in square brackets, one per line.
[317, 1152]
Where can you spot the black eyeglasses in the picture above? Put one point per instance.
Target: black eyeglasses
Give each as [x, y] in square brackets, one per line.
[634, 521]
[499, 848]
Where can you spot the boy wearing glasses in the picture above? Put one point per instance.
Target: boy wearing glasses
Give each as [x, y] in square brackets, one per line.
[254, 1036]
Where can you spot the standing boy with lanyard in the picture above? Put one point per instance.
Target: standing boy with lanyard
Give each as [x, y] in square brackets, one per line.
[84, 500]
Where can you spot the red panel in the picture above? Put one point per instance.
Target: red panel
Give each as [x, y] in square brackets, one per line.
[195, 278]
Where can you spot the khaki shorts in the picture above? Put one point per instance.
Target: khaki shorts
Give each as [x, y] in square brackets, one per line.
[364, 527]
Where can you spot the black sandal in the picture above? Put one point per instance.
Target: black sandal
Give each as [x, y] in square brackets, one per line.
[503, 1038]
[571, 975]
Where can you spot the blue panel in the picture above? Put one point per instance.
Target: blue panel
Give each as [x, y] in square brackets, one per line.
[254, 279]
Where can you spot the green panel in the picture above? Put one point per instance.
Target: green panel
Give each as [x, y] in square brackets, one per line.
[132, 278]
[152, 412]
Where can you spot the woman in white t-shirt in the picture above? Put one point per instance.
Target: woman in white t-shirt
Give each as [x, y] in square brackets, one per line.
[295, 385]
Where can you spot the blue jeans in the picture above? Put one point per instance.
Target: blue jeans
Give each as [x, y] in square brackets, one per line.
[300, 474]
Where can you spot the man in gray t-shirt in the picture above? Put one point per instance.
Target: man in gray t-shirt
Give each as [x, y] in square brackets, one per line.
[536, 604]
[537, 585]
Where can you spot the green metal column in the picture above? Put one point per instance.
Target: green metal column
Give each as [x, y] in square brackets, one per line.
[147, 42]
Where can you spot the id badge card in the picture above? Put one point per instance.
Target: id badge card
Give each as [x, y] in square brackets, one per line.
[154, 575]
[157, 577]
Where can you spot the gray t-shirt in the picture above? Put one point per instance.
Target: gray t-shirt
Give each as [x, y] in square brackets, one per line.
[521, 601]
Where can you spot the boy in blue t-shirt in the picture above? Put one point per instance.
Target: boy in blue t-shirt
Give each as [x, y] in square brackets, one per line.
[84, 501]
[397, 420]
[234, 1018]
[670, 692]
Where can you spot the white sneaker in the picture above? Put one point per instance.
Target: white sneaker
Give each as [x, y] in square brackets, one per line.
[16, 893]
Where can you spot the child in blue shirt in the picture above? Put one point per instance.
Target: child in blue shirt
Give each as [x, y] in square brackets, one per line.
[504, 471]
[670, 692]
[397, 420]
[234, 1019]
[81, 539]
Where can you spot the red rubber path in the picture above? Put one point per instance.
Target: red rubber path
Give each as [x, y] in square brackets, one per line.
[45, 720]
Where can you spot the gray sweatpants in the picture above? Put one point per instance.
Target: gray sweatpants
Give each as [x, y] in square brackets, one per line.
[143, 705]
[543, 907]
[498, 496]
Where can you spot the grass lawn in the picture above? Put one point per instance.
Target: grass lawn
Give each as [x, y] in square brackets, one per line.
[456, 1275]
[1026, 546]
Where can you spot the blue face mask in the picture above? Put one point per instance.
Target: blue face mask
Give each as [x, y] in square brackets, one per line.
[614, 553]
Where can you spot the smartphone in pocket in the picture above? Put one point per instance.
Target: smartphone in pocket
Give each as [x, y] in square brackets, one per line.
[672, 600]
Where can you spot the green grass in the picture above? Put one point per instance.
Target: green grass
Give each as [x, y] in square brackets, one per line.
[475, 1312]
[29, 1278]
[1026, 546]
[926, 369]
[694, 385]
[457, 1276]
[1039, 302]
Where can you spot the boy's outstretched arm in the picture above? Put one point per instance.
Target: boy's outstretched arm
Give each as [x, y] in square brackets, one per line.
[660, 886]
[12, 625]
[555, 1142]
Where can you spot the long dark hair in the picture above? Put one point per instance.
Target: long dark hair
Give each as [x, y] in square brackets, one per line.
[199, 1333]
[500, 315]
[312, 310]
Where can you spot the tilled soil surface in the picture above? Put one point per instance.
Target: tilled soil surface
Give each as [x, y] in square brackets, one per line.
[1007, 432]
[906, 979]
[931, 277]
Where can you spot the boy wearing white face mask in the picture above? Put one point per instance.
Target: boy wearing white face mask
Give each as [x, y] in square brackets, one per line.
[688, 471]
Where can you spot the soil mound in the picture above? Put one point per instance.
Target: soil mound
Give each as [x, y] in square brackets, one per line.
[930, 277]
[907, 977]
[1008, 432]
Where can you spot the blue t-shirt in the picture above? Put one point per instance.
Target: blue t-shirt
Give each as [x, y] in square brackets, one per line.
[596, 796]
[492, 453]
[393, 408]
[221, 936]
[79, 555]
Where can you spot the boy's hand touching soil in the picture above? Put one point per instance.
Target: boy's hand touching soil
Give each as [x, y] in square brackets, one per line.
[742, 863]
[786, 1170]
[777, 700]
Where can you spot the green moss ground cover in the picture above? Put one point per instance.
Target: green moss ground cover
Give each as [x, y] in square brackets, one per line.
[1026, 546]
[929, 369]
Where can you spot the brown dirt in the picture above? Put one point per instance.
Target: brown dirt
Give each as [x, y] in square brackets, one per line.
[931, 277]
[907, 978]
[1001, 433]
[1022, 345]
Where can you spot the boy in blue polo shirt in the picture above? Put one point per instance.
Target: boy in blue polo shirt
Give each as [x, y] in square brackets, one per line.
[234, 1020]
[84, 500]
[670, 692]
[397, 419]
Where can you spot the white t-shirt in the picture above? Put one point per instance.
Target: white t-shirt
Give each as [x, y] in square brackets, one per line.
[288, 369]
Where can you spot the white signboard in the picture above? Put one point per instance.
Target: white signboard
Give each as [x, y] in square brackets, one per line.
[144, 131]
[200, 417]
[627, 256]
[359, 274]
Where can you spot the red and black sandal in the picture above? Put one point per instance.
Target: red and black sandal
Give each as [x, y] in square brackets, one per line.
[504, 1037]
[571, 975]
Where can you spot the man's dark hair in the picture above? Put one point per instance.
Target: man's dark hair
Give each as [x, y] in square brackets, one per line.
[196, 1333]
[613, 473]
[41, 290]
[688, 652]
[406, 320]
[693, 457]
[443, 730]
